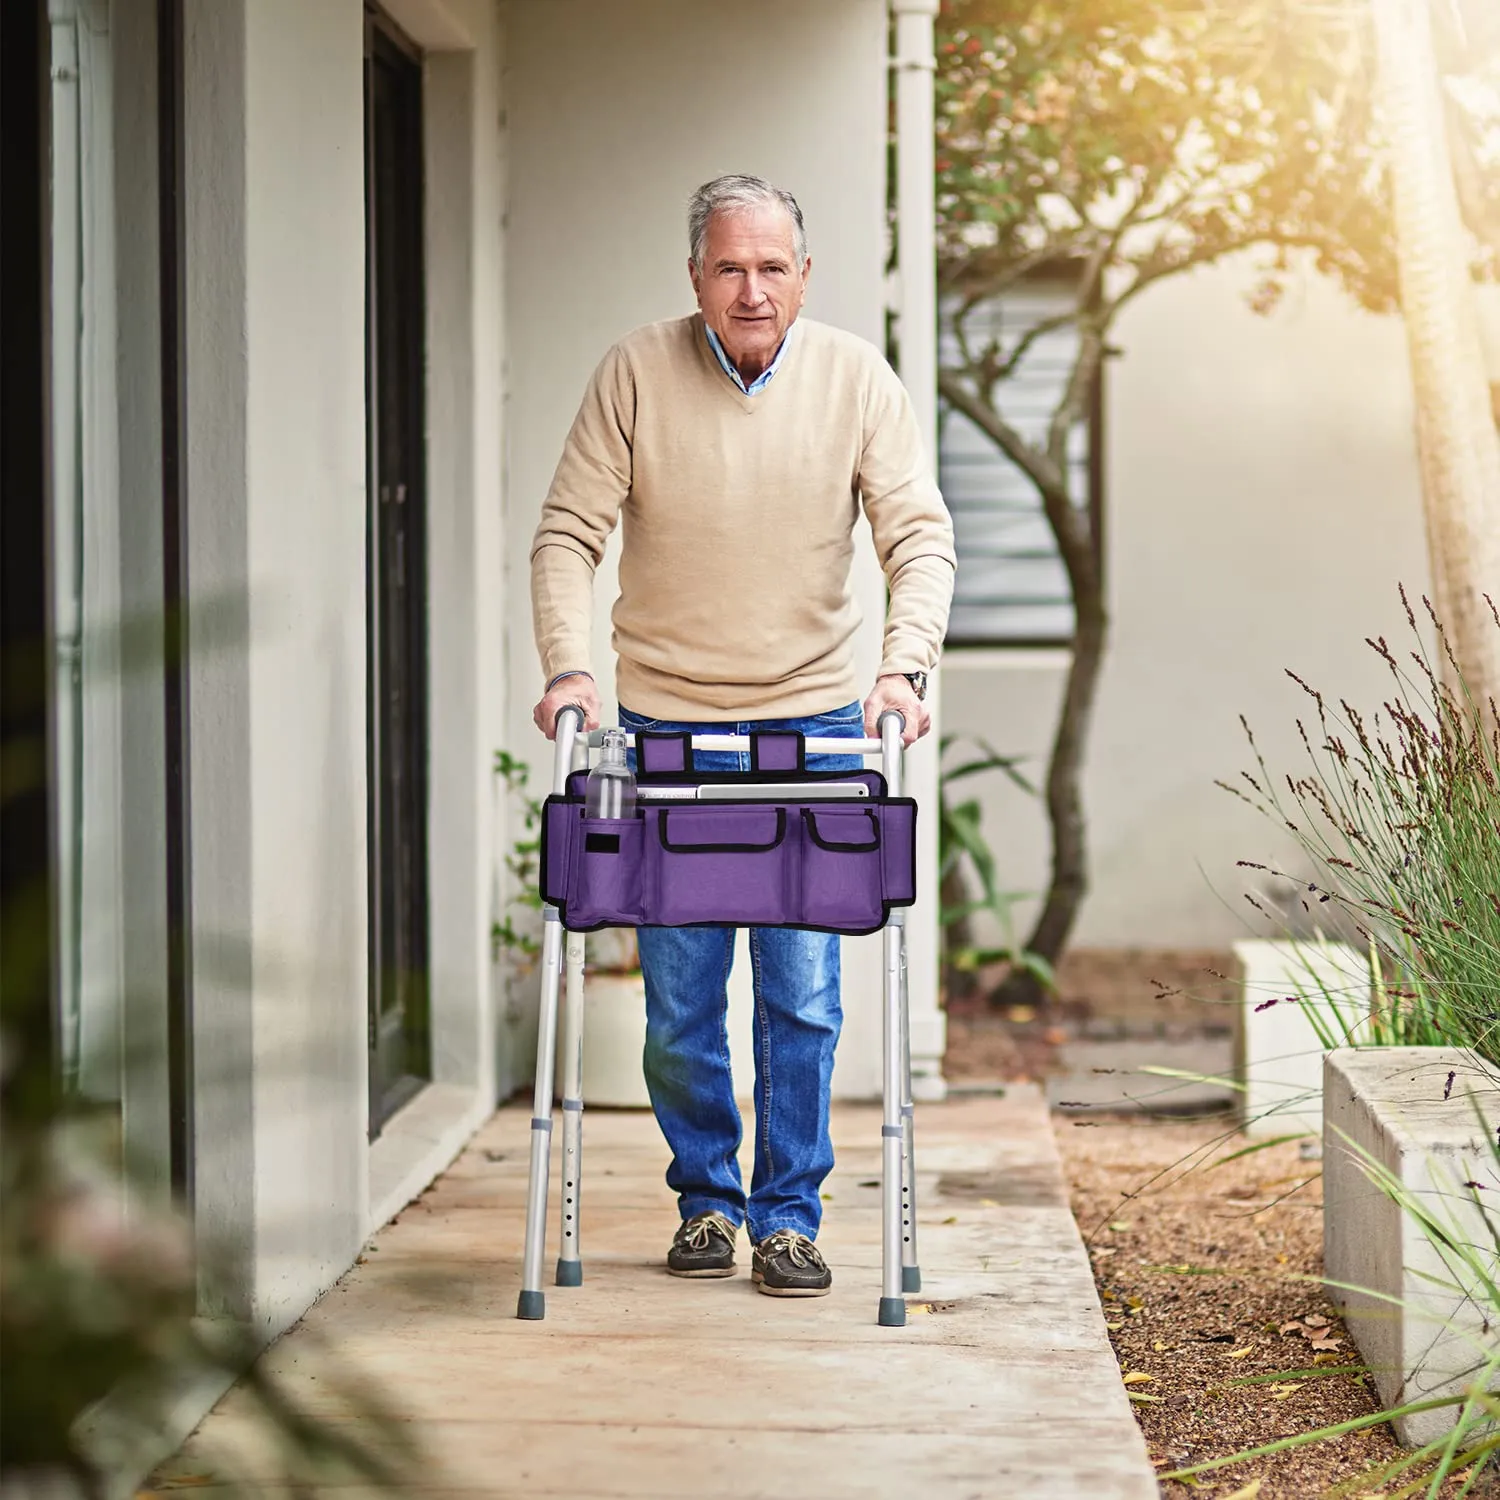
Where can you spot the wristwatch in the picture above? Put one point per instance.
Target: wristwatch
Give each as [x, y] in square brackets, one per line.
[918, 682]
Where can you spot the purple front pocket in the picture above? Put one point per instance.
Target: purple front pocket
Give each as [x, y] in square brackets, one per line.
[841, 868]
[728, 866]
[606, 882]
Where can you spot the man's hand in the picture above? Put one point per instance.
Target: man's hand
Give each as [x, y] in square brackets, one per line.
[895, 692]
[578, 690]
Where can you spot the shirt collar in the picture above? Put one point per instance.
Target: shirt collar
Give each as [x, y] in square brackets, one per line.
[762, 380]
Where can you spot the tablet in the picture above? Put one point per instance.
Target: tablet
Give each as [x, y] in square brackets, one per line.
[780, 791]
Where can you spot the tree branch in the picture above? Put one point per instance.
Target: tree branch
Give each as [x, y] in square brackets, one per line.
[1031, 461]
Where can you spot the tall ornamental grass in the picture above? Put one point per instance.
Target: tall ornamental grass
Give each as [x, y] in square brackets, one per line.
[1399, 813]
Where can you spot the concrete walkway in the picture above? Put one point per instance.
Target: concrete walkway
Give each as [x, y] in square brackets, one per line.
[637, 1384]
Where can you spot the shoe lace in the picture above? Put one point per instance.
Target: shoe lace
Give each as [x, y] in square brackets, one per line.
[696, 1231]
[796, 1247]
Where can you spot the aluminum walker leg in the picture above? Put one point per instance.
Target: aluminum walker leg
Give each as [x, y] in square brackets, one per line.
[569, 1260]
[892, 1303]
[892, 1312]
[911, 1271]
[532, 1303]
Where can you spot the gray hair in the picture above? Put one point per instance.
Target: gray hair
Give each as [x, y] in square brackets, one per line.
[735, 194]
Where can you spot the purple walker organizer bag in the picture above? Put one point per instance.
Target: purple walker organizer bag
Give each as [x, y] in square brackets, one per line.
[831, 865]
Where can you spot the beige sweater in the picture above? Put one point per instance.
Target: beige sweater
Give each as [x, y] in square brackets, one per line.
[739, 515]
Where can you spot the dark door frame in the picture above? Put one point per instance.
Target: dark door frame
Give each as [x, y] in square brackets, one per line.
[400, 1048]
[172, 243]
[28, 855]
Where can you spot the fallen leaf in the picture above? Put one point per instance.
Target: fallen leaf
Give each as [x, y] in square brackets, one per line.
[916, 1309]
[1248, 1492]
[951, 1219]
[988, 1203]
[1316, 1320]
[1161, 1348]
[1141, 1396]
[1325, 1343]
[1292, 1325]
[1281, 1260]
[1325, 1359]
[1243, 1191]
[1114, 1327]
[1138, 1377]
[1240, 1353]
[1281, 1392]
[1022, 1013]
[1120, 1224]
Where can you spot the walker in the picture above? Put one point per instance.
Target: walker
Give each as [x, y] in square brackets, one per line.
[775, 846]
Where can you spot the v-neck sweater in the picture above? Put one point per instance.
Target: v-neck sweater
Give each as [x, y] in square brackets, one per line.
[738, 518]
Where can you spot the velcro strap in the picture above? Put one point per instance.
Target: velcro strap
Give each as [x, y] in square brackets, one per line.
[778, 750]
[663, 752]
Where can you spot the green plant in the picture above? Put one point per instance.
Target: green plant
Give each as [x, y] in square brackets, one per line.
[612, 951]
[1399, 813]
[515, 933]
[965, 860]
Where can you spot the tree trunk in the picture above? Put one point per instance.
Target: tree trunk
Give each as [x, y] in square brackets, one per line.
[1457, 440]
[1070, 871]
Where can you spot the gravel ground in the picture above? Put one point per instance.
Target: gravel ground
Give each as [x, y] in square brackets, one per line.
[1208, 1269]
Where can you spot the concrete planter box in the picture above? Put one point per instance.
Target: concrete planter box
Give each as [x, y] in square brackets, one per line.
[1278, 1056]
[1388, 1101]
[614, 1037]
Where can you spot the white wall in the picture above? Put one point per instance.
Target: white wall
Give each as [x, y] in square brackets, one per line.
[465, 341]
[617, 112]
[1262, 503]
[277, 483]
[277, 503]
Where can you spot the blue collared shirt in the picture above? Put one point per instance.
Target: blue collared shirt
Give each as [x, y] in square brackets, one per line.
[762, 380]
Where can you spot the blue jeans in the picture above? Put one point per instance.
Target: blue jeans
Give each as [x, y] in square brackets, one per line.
[796, 1028]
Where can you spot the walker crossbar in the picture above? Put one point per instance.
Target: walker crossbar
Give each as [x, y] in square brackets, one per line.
[562, 976]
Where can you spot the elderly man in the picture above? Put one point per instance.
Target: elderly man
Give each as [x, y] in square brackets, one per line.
[739, 445]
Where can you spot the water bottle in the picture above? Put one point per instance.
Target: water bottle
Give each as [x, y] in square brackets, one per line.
[610, 792]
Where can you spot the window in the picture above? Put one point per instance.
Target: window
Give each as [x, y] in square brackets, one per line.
[1012, 588]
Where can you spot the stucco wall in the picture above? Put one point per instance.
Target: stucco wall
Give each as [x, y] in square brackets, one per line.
[276, 370]
[1262, 503]
[616, 113]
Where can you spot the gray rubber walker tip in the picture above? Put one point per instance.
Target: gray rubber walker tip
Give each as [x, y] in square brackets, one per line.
[892, 1312]
[911, 1278]
[569, 1272]
[532, 1306]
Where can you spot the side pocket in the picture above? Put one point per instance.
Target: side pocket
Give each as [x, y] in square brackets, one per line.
[606, 888]
[842, 884]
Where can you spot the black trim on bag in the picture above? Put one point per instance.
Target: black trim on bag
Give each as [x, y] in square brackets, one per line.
[671, 848]
[768, 739]
[811, 819]
[601, 843]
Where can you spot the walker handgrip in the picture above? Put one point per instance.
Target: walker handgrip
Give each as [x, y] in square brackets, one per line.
[569, 722]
